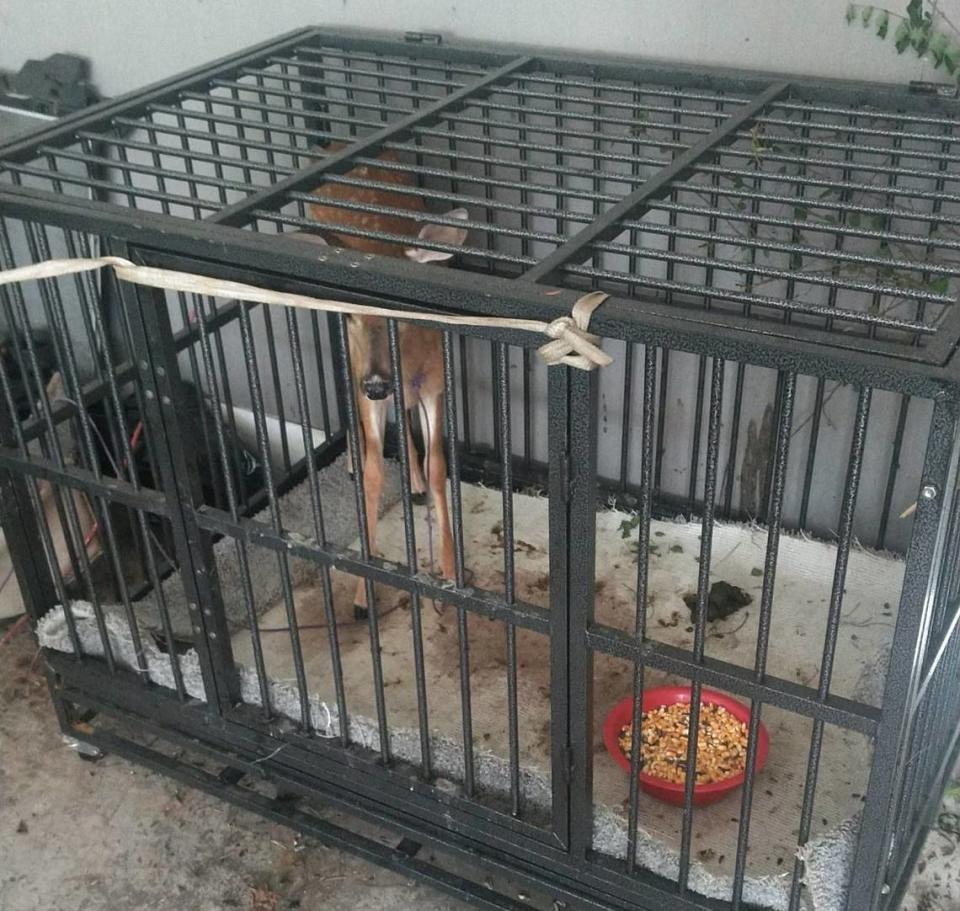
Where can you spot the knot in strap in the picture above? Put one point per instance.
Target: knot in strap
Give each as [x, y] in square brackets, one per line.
[572, 344]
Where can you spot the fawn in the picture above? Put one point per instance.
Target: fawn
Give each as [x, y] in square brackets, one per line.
[421, 356]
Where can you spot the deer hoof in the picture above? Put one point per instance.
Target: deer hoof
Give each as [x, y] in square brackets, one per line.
[419, 499]
[360, 612]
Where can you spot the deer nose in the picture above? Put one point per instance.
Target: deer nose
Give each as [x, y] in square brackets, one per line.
[376, 388]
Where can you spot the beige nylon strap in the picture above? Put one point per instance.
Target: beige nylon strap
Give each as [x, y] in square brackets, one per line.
[571, 344]
[569, 334]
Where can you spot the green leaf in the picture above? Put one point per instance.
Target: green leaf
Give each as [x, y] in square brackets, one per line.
[854, 220]
[883, 24]
[796, 260]
[879, 222]
[851, 13]
[951, 58]
[800, 213]
[938, 47]
[920, 39]
[865, 15]
[941, 285]
[915, 13]
[737, 182]
[901, 37]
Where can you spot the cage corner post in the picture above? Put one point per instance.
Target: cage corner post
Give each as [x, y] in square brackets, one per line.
[155, 358]
[876, 854]
[573, 396]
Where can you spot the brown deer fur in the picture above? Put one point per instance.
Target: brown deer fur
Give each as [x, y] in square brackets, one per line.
[421, 356]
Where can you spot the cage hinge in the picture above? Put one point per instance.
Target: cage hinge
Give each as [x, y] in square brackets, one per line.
[423, 37]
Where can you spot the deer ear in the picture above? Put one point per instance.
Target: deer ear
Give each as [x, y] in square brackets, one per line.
[439, 234]
[55, 389]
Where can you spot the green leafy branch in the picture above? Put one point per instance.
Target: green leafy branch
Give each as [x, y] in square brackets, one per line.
[916, 29]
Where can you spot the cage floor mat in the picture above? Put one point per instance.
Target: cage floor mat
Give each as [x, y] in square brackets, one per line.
[804, 578]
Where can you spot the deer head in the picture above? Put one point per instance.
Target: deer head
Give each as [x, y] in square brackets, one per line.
[368, 338]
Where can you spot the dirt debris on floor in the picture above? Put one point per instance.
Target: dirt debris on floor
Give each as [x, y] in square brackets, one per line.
[111, 836]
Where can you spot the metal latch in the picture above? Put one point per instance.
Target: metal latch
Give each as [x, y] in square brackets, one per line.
[423, 37]
[945, 89]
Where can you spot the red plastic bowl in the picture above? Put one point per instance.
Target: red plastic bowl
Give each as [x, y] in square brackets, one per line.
[668, 791]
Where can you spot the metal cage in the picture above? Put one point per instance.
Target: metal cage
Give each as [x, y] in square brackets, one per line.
[781, 258]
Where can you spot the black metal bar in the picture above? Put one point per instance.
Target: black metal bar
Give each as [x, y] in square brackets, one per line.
[366, 545]
[136, 101]
[525, 210]
[785, 694]
[749, 270]
[820, 227]
[827, 313]
[480, 602]
[774, 527]
[67, 513]
[316, 506]
[407, 455]
[283, 564]
[459, 560]
[824, 203]
[20, 527]
[457, 154]
[238, 213]
[350, 72]
[908, 644]
[501, 378]
[490, 141]
[575, 393]
[844, 544]
[261, 89]
[700, 624]
[159, 376]
[477, 60]
[56, 319]
[753, 243]
[644, 508]
[231, 499]
[325, 833]
[562, 697]
[803, 351]
[609, 223]
[510, 847]
[893, 471]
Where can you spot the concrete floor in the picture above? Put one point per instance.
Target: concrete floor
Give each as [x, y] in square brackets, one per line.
[109, 836]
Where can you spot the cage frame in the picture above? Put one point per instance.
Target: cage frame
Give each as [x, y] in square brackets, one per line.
[556, 862]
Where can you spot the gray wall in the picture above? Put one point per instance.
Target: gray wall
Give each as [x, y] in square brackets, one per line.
[134, 43]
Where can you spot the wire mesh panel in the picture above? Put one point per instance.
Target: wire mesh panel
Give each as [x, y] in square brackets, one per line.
[841, 221]
[420, 573]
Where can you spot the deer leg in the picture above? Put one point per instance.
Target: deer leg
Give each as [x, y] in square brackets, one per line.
[437, 472]
[418, 486]
[373, 418]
